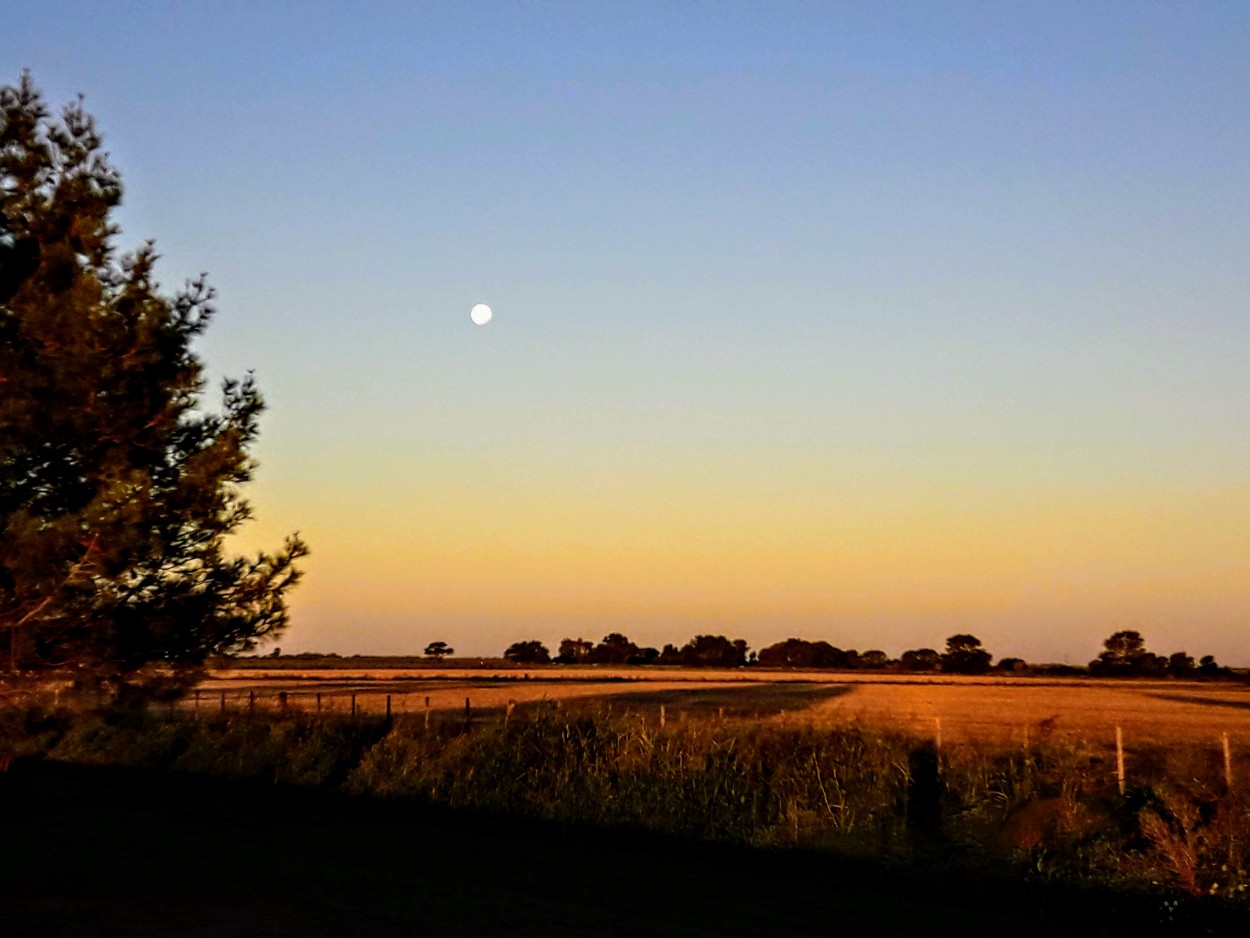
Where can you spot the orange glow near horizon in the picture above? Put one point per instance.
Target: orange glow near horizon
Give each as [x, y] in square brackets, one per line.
[483, 559]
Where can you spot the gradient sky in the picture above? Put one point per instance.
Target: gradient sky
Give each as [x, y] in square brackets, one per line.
[865, 323]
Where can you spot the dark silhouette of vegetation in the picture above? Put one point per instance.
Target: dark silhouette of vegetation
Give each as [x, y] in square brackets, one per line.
[438, 650]
[574, 651]
[920, 659]
[874, 660]
[118, 880]
[707, 651]
[798, 653]
[1125, 655]
[614, 649]
[533, 652]
[964, 655]
[1051, 812]
[118, 486]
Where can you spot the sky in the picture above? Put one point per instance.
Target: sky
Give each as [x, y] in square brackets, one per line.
[868, 323]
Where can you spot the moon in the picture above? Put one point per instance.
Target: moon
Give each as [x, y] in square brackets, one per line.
[480, 314]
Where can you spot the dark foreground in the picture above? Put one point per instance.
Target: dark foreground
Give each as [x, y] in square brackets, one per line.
[89, 851]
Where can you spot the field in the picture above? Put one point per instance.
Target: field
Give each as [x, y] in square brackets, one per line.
[995, 711]
[1013, 783]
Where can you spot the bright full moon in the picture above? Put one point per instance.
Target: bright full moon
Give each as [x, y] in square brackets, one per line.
[480, 314]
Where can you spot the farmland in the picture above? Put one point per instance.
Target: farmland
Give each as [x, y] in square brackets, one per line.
[994, 711]
[1013, 783]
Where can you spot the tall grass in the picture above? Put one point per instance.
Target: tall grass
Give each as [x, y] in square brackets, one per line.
[1049, 811]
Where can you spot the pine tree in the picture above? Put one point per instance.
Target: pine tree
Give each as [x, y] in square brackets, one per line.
[117, 484]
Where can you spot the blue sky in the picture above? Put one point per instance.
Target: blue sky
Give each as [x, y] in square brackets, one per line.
[985, 259]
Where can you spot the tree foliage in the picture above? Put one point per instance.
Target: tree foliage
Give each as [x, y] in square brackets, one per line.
[921, 659]
[118, 485]
[964, 655]
[534, 652]
[874, 659]
[438, 650]
[614, 649]
[574, 651]
[1124, 652]
[800, 653]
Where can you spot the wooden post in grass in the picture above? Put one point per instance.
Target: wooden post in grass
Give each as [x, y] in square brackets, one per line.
[1119, 758]
[388, 706]
[427, 703]
[197, 701]
[318, 701]
[223, 701]
[353, 704]
[427, 719]
[661, 716]
[282, 700]
[1228, 764]
[937, 734]
[468, 712]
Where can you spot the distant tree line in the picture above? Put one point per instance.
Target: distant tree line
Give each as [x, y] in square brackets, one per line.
[1125, 654]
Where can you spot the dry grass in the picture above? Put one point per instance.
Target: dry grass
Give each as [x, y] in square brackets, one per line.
[1075, 710]
[1003, 711]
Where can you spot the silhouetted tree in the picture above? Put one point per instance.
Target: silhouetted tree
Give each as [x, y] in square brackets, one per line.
[1012, 665]
[921, 659]
[574, 651]
[1180, 664]
[646, 655]
[1207, 667]
[874, 660]
[714, 651]
[798, 653]
[1124, 653]
[669, 655]
[964, 655]
[438, 650]
[791, 653]
[534, 652]
[614, 649]
[118, 485]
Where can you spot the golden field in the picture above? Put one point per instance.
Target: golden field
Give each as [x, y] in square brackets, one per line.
[987, 709]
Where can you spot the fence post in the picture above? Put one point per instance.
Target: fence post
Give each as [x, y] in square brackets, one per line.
[318, 701]
[1228, 764]
[282, 700]
[388, 706]
[353, 704]
[223, 701]
[937, 734]
[661, 716]
[197, 700]
[1119, 758]
[467, 712]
